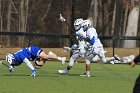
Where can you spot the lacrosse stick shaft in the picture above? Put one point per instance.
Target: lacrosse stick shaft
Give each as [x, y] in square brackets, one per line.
[4, 64]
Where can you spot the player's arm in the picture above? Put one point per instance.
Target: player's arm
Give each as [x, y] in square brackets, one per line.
[91, 34]
[29, 64]
[11, 68]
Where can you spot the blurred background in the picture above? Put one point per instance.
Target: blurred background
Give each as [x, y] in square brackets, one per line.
[36, 22]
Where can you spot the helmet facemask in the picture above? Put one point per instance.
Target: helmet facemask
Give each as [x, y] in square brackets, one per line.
[78, 23]
[86, 24]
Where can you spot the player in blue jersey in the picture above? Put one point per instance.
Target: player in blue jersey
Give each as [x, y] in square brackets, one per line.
[34, 53]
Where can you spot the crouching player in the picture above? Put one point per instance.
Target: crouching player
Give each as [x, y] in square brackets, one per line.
[34, 53]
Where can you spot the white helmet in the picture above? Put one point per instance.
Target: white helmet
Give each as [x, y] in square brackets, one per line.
[78, 23]
[9, 58]
[86, 24]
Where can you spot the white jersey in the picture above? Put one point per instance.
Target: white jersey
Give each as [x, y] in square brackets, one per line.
[90, 33]
[80, 34]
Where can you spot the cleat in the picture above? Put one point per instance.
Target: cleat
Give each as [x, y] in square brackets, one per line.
[63, 72]
[63, 60]
[85, 75]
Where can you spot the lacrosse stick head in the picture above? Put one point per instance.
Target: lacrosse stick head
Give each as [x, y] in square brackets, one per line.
[61, 18]
[9, 58]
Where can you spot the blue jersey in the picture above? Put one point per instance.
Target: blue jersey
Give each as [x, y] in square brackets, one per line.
[29, 53]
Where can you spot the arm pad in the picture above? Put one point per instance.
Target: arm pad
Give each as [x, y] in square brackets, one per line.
[92, 41]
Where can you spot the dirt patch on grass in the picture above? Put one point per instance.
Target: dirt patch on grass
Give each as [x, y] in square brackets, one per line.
[59, 51]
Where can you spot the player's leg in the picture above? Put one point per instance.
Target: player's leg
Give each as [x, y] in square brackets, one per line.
[108, 59]
[51, 56]
[87, 67]
[71, 63]
[101, 52]
[87, 73]
[128, 59]
[96, 58]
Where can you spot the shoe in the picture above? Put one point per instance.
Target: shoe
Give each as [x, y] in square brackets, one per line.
[117, 57]
[63, 60]
[63, 72]
[85, 75]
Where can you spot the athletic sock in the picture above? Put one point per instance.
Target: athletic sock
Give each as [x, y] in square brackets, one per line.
[68, 68]
[88, 72]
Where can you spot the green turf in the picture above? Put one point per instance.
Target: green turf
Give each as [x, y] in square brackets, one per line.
[105, 78]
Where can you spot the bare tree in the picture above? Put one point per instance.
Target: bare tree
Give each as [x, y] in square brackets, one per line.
[93, 12]
[132, 27]
[9, 20]
[23, 19]
[0, 16]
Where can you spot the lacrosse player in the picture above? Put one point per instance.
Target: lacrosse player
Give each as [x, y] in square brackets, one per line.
[93, 46]
[124, 60]
[111, 60]
[136, 88]
[31, 53]
[78, 51]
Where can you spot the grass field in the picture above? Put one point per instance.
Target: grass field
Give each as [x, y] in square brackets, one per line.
[105, 78]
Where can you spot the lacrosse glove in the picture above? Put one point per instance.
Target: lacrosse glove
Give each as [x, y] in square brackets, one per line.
[33, 73]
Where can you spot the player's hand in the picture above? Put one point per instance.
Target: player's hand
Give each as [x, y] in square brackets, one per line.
[33, 73]
[11, 68]
[87, 46]
[74, 46]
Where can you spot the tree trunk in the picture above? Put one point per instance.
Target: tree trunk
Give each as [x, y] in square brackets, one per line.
[132, 27]
[0, 17]
[125, 19]
[23, 19]
[9, 21]
[93, 12]
[1, 22]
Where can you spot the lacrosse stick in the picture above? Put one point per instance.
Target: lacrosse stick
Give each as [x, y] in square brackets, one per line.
[62, 19]
[4, 64]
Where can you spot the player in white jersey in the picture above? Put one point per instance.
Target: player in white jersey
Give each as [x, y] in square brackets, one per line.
[94, 46]
[81, 46]
[124, 60]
